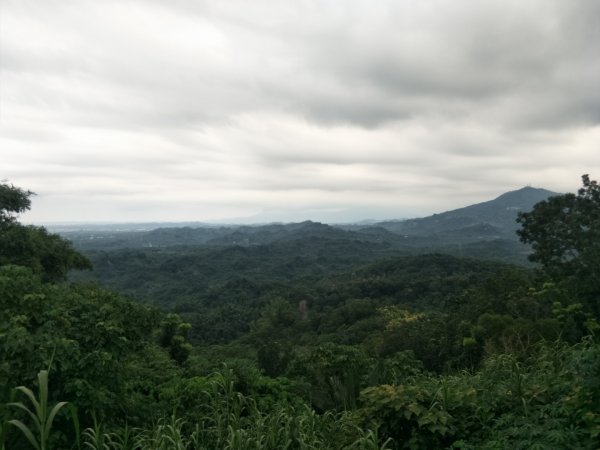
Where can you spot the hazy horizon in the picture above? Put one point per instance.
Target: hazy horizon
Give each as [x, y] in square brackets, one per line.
[240, 221]
[143, 111]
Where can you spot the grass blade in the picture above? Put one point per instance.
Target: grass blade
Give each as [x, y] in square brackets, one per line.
[51, 416]
[26, 431]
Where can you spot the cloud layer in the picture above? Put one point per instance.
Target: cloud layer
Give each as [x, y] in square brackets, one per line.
[136, 110]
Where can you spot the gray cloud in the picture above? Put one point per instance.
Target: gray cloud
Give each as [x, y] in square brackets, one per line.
[207, 109]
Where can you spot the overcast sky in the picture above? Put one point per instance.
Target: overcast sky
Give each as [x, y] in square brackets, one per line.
[178, 110]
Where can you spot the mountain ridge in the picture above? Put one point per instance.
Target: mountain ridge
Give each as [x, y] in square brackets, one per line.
[485, 229]
[499, 215]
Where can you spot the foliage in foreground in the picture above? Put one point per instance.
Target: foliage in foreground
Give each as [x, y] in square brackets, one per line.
[550, 401]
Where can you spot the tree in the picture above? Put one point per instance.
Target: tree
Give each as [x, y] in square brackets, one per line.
[564, 233]
[99, 345]
[47, 254]
[335, 374]
[173, 337]
[13, 200]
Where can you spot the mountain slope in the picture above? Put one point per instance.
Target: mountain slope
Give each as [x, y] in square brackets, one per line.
[494, 219]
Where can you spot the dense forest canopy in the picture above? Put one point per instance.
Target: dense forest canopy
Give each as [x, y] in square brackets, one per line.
[320, 338]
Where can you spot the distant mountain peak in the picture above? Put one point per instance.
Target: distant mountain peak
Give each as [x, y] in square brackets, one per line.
[527, 192]
[491, 219]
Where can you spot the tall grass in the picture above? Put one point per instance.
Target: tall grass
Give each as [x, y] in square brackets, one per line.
[232, 421]
[229, 421]
[40, 414]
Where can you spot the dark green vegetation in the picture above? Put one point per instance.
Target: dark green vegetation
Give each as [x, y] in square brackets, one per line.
[305, 336]
[45, 254]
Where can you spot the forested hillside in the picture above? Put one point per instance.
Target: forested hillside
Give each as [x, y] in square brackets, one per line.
[306, 336]
[485, 230]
